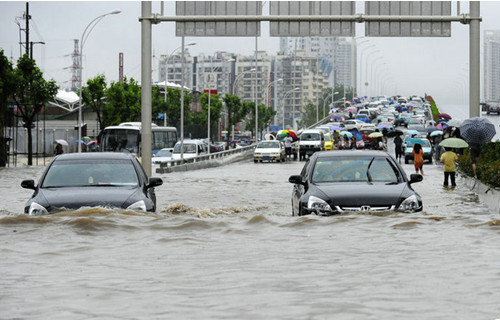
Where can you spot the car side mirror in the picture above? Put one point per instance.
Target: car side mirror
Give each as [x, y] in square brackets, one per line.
[28, 184]
[154, 182]
[415, 177]
[296, 179]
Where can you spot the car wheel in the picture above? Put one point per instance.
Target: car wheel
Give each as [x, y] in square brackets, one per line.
[406, 160]
[255, 161]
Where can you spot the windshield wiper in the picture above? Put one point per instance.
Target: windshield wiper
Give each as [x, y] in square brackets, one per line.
[368, 175]
[389, 183]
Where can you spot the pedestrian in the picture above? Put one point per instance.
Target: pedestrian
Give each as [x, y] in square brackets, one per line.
[58, 149]
[418, 158]
[475, 151]
[353, 142]
[380, 144]
[449, 158]
[288, 145]
[398, 146]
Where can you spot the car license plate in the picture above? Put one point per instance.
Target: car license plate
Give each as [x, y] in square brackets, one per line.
[309, 152]
[265, 157]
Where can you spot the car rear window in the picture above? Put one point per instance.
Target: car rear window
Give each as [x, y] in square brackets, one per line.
[82, 173]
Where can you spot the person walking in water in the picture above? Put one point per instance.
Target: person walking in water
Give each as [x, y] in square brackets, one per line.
[418, 158]
[398, 146]
[449, 158]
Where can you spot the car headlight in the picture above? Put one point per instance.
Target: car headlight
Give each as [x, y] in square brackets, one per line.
[37, 210]
[412, 203]
[139, 205]
[318, 205]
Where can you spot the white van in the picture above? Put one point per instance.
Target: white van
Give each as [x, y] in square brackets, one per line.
[192, 149]
[310, 141]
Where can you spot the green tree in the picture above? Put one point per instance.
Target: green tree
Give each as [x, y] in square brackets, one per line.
[308, 116]
[32, 93]
[94, 96]
[173, 106]
[265, 117]
[7, 88]
[215, 113]
[123, 102]
[236, 112]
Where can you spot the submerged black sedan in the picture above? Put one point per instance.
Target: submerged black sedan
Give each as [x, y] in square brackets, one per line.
[94, 179]
[343, 181]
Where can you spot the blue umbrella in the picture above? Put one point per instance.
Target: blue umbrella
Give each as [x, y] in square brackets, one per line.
[415, 140]
[346, 133]
[335, 128]
[413, 132]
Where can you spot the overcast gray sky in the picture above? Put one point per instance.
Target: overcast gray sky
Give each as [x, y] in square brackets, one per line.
[436, 66]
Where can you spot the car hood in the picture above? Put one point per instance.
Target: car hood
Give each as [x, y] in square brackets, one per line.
[361, 194]
[267, 150]
[74, 198]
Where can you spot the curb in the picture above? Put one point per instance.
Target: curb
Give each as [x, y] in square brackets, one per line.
[487, 195]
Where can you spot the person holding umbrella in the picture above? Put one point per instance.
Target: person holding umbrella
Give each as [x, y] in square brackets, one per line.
[398, 146]
[418, 158]
[476, 131]
[288, 145]
[449, 158]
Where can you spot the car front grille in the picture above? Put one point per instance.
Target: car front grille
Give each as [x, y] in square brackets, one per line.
[365, 208]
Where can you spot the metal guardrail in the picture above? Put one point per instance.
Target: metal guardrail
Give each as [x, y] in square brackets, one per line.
[167, 166]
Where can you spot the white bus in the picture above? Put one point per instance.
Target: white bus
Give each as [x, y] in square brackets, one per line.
[127, 137]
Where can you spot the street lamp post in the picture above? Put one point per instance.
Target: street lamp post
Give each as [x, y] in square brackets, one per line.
[166, 76]
[326, 99]
[210, 97]
[372, 68]
[366, 67]
[283, 103]
[236, 81]
[360, 87]
[84, 37]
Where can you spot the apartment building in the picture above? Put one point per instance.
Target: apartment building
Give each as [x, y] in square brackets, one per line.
[491, 65]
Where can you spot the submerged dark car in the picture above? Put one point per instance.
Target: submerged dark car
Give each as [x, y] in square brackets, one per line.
[94, 179]
[337, 182]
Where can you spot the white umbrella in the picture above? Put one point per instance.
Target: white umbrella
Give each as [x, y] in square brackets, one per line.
[62, 142]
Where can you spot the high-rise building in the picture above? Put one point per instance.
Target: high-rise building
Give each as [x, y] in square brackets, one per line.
[491, 67]
[338, 50]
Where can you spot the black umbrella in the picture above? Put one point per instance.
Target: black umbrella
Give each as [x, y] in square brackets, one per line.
[477, 130]
[394, 133]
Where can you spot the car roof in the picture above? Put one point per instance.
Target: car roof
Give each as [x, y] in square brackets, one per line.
[352, 153]
[95, 156]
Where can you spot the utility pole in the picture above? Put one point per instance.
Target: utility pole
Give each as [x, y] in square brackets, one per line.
[27, 17]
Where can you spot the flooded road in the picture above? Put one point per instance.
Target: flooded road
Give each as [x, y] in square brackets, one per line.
[223, 245]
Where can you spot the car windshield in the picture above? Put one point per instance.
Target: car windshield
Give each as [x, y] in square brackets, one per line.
[310, 137]
[84, 173]
[188, 148]
[164, 153]
[268, 144]
[356, 169]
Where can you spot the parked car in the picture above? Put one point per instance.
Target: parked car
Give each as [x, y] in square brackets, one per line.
[269, 150]
[337, 182]
[493, 108]
[164, 155]
[426, 147]
[91, 179]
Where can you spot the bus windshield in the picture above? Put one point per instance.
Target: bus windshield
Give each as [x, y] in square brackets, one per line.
[119, 140]
[127, 138]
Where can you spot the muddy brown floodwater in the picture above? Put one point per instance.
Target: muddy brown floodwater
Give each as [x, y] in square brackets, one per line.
[223, 245]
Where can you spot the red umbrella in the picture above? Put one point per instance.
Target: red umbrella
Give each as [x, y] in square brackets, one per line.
[445, 115]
